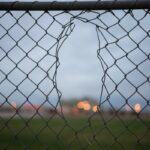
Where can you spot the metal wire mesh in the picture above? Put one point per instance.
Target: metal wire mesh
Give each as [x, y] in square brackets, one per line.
[29, 59]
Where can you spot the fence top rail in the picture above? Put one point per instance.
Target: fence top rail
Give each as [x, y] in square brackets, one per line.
[76, 5]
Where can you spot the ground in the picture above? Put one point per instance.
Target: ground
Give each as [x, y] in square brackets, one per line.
[74, 133]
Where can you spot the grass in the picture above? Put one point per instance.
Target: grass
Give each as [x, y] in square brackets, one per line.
[76, 134]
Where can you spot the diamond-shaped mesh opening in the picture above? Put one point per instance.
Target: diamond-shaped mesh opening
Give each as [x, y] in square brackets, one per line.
[6, 88]
[16, 54]
[135, 36]
[41, 22]
[7, 21]
[140, 79]
[4, 65]
[47, 42]
[26, 21]
[37, 79]
[32, 112]
[124, 91]
[124, 22]
[26, 43]
[5, 46]
[46, 86]
[16, 76]
[125, 68]
[47, 62]
[121, 33]
[137, 56]
[24, 90]
[37, 54]
[116, 51]
[26, 65]
[108, 21]
[36, 35]
[16, 32]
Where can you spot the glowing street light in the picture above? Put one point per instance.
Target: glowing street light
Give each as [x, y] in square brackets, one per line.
[80, 105]
[137, 108]
[87, 106]
[84, 105]
[95, 108]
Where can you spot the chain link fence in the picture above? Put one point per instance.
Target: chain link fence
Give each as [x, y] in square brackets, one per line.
[30, 42]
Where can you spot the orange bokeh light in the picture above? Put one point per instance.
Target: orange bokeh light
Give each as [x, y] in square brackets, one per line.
[80, 105]
[137, 108]
[87, 106]
[84, 105]
[95, 108]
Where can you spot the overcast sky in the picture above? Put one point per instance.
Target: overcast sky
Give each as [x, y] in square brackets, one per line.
[80, 71]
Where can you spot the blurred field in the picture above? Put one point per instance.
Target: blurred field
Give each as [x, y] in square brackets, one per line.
[75, 133]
